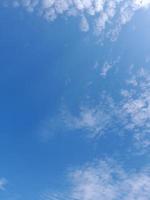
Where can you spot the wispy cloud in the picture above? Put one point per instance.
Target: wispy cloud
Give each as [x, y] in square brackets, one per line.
[129, 114]
[3, 183]
[98, 15]
[105, 180]
[91, 119]
[84, 25]
[106, 67]
[53, 196]
[135, 106]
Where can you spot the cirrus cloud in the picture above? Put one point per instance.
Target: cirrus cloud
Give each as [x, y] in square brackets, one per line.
[105, 180]
[128, 115]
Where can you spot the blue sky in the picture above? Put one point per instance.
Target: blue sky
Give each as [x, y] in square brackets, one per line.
[74, 100]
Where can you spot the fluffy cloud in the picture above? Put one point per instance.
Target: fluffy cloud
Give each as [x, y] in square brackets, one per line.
[101, 15]
[142, 3]
[105, 180]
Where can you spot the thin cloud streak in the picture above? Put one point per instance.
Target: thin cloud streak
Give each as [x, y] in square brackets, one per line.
[3, 183]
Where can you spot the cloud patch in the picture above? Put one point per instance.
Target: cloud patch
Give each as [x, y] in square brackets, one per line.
[128, 115]
[3, 183]
[90, 119]
[104, 17]
[135, 106]
[105, 180]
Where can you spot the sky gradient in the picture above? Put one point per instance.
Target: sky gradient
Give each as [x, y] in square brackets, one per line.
[74, 100]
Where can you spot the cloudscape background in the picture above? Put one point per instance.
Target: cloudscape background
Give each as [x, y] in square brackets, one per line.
[74, 99]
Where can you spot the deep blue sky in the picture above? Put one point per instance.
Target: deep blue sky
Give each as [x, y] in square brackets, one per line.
[61, 107]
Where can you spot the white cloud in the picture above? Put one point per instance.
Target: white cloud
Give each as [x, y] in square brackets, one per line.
[106, 67]
[108, 181]
[142, 3]
[94, 120]
[104, 16]
[131, 112]
[135, 107]
[3, 183]
[89, 120]
[84, 24]
[105, 180]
